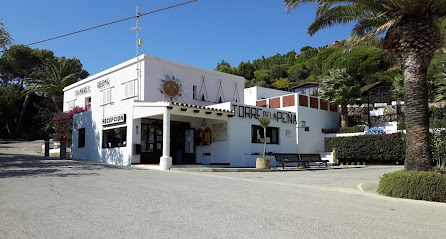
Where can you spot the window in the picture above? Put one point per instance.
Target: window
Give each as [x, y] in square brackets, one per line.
[194, 91]
[129, 89]
[81, 138]
[106, 94]
[70, 105]
[272, 135]
[112, 138]
[88, 103]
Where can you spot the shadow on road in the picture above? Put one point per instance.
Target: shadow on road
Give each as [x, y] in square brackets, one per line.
[17, 165]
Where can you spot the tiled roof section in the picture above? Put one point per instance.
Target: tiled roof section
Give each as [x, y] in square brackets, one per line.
[170, 103]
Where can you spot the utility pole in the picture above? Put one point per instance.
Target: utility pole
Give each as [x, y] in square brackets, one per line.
[139, 43]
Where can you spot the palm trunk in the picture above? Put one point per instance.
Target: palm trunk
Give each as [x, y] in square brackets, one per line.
[22, 113]
[413, 44]
[58, 101]
[344, 115]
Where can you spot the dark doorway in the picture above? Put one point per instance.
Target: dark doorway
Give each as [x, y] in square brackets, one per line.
[182, 148]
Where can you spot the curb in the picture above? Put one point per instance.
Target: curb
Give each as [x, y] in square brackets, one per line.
[233, 170]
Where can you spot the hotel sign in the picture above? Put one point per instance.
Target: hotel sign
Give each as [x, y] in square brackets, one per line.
[82, 91]
[103, 83]
[113, 119]
[257, 113]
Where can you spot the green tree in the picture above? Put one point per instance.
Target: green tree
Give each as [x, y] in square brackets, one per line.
[279, 71]
[57, 74]
[246, 70]
[5, 38]
[340, 88]
[436, 78]
[263, 75]
[225, 67]
[305, 48]
[17, 65]
[11, 98]
[298, 73]
[412, 36]
[282, 84]
[360, 62]
[19, 62]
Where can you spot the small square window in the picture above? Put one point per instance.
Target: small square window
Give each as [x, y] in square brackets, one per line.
[272, 135]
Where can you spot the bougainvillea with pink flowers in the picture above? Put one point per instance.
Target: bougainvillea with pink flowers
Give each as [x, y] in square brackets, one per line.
[63, 123]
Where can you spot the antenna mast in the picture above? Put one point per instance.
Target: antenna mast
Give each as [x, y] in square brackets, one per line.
[139, 43]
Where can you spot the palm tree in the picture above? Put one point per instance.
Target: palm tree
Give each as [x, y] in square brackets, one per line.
[57, 74]
[411, 35]
[264, 122]
[340, 88]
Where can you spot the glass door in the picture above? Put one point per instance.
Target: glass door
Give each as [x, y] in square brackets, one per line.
[151, 143]
[189, 146]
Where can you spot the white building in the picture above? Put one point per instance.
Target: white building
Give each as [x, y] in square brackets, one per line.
[181, 114]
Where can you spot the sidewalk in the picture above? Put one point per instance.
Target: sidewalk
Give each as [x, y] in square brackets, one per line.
[216, 168]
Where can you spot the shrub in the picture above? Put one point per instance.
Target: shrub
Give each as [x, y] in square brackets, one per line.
[437, 113]
[383, 149]
[428, 186]
[352, 129]
[63, 123]
[438, 146]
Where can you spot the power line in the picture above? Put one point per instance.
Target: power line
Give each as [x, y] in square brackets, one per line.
[106, 24]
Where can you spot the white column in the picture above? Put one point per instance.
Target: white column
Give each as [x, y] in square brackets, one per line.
[166, 160]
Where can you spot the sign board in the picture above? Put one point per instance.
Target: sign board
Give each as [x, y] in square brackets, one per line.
[113, 119]
[244, 111]
[220, 132]
[82, 91]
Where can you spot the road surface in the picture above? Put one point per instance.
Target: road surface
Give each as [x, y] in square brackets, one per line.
[49, 198]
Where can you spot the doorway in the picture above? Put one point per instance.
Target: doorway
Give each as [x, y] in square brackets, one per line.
[182, 147]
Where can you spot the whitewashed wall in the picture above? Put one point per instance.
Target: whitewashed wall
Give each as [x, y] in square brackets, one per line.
[240, 138]
[255, 93]
[114, 78]
[316, 119]
[231, 86]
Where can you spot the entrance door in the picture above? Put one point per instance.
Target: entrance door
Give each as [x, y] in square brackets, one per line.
[151, 142]
[189, 146]
[182, 147]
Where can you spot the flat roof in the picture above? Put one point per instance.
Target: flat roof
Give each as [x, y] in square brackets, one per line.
[147, 57]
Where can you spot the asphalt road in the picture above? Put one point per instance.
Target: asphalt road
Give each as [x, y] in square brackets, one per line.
[70, 199]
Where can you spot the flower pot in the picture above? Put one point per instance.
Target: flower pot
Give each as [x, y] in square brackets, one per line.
[263, 163]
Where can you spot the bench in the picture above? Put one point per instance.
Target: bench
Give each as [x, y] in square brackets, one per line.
[313, 158]
[288, 158]
[300, 159]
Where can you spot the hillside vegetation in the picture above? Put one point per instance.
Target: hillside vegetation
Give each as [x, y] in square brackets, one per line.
[367, 63]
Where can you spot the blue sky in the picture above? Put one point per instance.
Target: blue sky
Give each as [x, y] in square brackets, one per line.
[201, 33]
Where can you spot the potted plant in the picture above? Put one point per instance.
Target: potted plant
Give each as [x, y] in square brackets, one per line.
[263, 162]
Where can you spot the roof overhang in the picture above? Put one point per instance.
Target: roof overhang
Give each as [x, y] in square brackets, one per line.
[144, 109]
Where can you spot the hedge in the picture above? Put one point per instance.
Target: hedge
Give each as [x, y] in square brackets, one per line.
[349, 129]
[383, 149]
[352, 129]
[428, 186]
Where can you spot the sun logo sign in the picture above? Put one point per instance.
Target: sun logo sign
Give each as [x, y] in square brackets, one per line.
[171, 87]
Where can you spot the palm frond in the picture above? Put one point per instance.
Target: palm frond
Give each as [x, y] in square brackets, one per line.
[293, 4]
[378, 31]
[336, 15]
